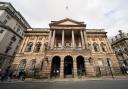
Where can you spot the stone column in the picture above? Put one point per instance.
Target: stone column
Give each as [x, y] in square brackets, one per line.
[62, 39]
[53, 38]
[82, 39]
[49, 39]
[75, 67]
[73, 41]
[62, 69]
[85, 39]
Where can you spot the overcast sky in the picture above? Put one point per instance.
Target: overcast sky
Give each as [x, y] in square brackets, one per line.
[110, 15]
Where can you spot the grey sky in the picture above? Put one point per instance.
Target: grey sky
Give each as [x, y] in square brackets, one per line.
[110, 15]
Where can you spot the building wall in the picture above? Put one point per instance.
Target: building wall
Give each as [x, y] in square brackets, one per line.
[102, 38]
[14, 25]
[7, 38]
[33, 36]
[120, 46]
[2, 34]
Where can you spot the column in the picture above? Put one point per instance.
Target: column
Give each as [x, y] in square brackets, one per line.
[82, 39]
[73, 41]
[85, 39]
[75, 68]
[62, 69]
[49, 39]
[53, 38]
[62, 39]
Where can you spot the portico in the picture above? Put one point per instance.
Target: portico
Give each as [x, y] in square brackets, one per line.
[67, 40]
[71, 36]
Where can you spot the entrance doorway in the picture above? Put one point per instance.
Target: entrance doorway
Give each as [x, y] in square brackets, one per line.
[68, 67]
[55, 68]
[80, 66]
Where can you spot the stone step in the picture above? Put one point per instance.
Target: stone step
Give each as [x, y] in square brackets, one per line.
[68, 76]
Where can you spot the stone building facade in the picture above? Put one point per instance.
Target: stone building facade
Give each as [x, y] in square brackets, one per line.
[119, 44]
[66, 50]
[12, 27]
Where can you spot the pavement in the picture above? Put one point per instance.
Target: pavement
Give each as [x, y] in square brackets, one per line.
[90, 84]
[30, 80]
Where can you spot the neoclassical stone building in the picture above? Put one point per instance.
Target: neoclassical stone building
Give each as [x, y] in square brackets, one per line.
[66, 50]
[120, 46]
[12, 27]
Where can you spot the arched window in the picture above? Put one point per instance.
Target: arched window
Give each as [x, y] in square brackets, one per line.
[95, 46]
[22, 64]
[32, 64]
[90, 60]
[29, 47]
[103, 47]
[37, 47]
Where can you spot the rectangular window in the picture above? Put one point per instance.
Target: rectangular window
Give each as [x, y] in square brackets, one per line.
[100, 63]
[18, 29]
[10, 44]
[8, 49]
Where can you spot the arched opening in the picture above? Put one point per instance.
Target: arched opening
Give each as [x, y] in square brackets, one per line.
[29, 47]
[22, 65]
[37, 47]
[103, 47]
[80, 66]
[96, 47]
[55, 68]
[68, 66]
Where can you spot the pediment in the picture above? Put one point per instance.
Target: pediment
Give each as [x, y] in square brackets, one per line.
[66, 22]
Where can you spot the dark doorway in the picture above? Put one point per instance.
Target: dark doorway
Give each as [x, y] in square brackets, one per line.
[55, 68]
[80, 66]
[68, 66]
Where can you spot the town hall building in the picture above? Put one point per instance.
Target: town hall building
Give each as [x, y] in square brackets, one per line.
[65, 50]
